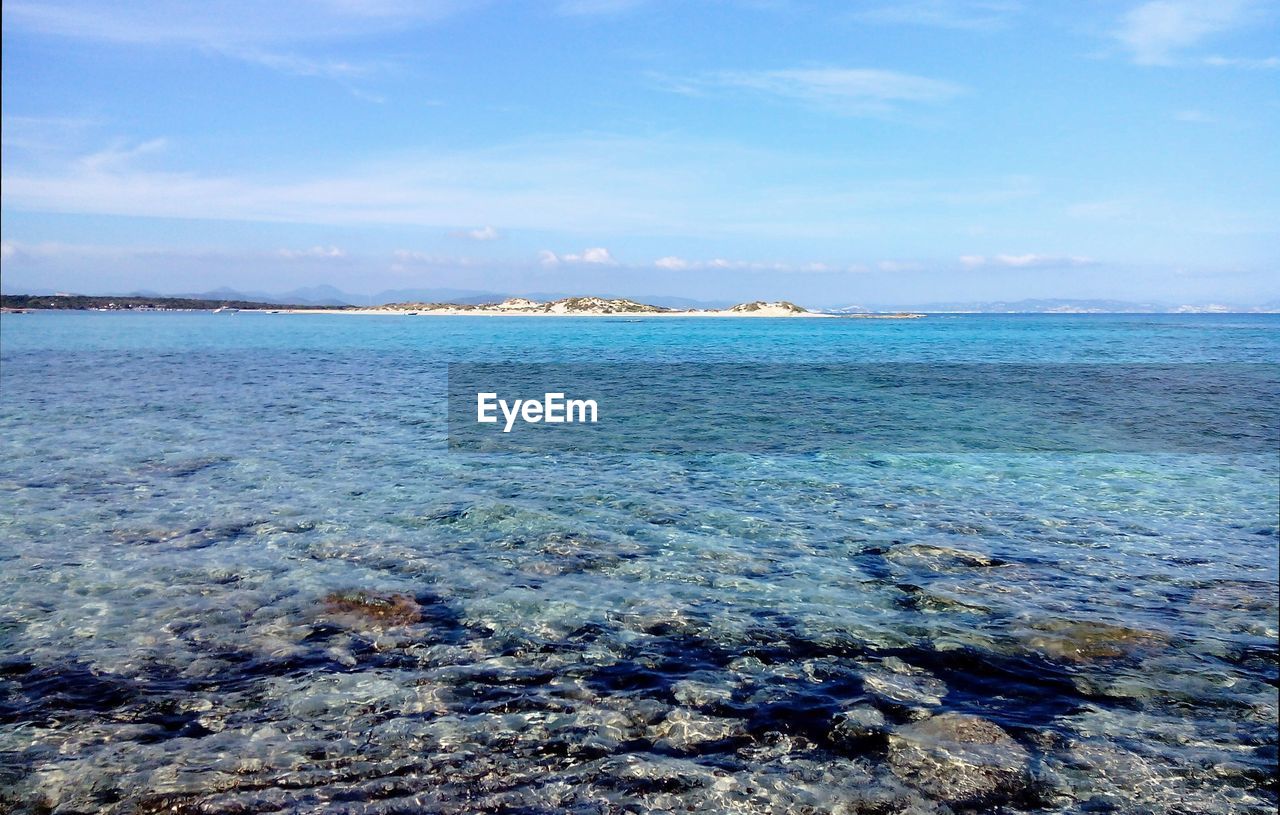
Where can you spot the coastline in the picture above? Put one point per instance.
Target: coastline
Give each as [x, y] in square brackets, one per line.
[477, 312]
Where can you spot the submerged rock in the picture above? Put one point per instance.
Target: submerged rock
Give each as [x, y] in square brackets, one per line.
[373, 608]
[684, 731]
[647, 776]
[698, 694]
[961, 759]
[939, 558]
[1237, 595]
[1089, 641]
[857, 728]
[899, 683]
[925, 599]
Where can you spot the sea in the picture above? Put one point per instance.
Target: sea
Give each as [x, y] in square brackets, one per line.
[245, 566]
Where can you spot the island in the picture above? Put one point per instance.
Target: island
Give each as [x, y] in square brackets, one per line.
[600, 307]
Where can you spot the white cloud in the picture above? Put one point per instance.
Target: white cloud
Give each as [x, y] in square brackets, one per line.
[484, 233]
[1031, 261]
[858, 91]
[1155, 32]
[1026, 261]
[325, 252]
[678, 264]
[596, 255]
[7, 250]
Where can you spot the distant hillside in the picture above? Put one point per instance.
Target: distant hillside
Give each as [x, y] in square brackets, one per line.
[133, 303]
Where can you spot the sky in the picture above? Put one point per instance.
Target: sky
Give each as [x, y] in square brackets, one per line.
[828, 153]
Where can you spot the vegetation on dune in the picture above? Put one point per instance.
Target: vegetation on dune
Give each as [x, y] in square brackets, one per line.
[616, 306]
[758, 305]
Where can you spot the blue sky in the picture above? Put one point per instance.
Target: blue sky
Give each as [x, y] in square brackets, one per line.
[868, 152]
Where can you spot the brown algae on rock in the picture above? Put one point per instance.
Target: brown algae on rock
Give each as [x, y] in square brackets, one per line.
[366, 608]
[1089, 641]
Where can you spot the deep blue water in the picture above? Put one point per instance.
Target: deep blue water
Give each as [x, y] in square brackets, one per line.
[241, 570]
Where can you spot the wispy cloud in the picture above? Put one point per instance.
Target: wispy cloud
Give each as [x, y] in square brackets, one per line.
[270, 35]
[121, 154]
[297, 65]
[964, 15]
[900, 266]
[1026, 261]
[1157, 32]
[45, 135]
[585, 8]
[1193, 116]
[1259, 64]
[325, 252]
[855, 91]
[226, 24]
[1154, 210]
[596, 255]
[104, 252]
[603, 186]
[675, 263]
[407, 260]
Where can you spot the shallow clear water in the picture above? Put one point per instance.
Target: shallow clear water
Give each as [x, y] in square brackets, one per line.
[241, 571]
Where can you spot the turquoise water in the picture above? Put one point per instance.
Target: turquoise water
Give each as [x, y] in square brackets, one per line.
[241, 571]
